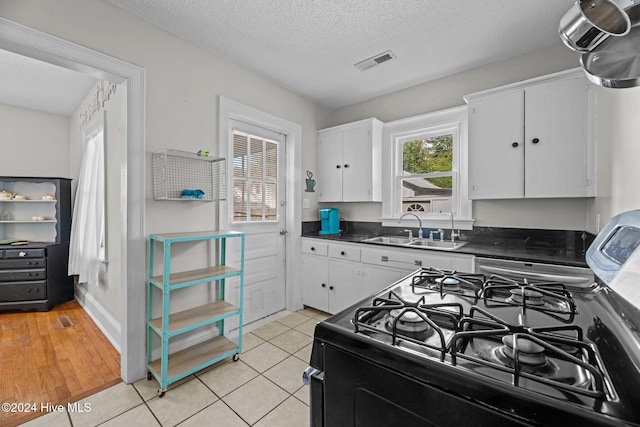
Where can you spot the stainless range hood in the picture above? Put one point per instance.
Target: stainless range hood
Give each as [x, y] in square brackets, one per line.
[607, 33]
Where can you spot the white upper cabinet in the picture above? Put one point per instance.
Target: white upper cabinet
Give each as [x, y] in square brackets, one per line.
[532, 140]
[349, 162]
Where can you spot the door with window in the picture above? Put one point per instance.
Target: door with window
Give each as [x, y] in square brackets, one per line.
[258, 209]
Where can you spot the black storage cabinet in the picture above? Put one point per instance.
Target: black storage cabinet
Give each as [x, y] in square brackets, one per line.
[34, 276]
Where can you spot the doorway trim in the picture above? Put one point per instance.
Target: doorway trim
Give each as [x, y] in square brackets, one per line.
[233, 110]
[32, 43]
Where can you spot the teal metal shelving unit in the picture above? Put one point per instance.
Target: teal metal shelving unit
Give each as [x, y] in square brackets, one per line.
[170, 368]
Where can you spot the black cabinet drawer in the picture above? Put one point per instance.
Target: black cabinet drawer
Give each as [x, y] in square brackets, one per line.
[23, 291]
[23, 274]
[22, 263]
[24, 253]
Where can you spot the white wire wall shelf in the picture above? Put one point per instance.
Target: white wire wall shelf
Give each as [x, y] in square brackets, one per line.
[181, 175]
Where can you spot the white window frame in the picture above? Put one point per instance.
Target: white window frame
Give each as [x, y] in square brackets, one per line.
[264, 180]
[394, 135]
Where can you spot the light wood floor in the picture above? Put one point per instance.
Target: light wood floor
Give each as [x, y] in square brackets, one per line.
[40, 362]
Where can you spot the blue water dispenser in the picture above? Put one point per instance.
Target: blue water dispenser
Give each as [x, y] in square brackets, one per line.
[329, 221]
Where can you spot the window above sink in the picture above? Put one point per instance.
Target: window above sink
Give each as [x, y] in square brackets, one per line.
[425, 170]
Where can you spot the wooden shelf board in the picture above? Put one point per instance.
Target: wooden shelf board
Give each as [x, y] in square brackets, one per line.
[188, 359]
[199, 274]
[196, 235]
[193, 316]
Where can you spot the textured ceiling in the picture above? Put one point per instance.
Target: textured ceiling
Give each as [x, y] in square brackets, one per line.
[36, 85]
[311, 46]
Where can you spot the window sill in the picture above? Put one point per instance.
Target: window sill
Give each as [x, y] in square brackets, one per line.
[435, 223]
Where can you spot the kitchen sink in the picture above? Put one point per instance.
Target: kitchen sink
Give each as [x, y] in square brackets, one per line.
[436, 244]
[415, 243]
[388, 240]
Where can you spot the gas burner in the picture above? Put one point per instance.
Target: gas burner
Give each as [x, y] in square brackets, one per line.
[529, 353]
[449, 283]
[409, 323]
[549, 297]
[524, 294]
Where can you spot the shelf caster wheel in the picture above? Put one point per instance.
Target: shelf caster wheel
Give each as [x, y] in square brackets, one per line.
[149, 376]
[161, 393]
[235, 357]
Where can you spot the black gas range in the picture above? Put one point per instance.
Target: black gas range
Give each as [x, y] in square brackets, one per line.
[444, 348]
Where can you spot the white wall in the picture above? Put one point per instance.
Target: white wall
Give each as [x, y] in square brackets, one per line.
[183, 85]
[33, 143]
[618, 155]
[448, 92]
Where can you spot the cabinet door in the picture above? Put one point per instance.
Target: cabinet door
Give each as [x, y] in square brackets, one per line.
[556, 138]
[496, 150]
[375, 278]
[330, 166]
[356, 163]
[345, 285]
[315, 284]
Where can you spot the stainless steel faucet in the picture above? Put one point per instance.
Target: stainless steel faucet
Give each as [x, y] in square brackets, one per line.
[453, 233]
[419, 222]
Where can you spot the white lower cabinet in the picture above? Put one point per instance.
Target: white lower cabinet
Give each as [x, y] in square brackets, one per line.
[345, 284]
[336, 275]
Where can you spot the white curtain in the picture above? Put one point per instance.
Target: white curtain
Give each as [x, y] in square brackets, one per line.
[87, 245]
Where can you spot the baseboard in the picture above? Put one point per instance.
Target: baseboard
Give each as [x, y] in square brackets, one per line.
[109, 326]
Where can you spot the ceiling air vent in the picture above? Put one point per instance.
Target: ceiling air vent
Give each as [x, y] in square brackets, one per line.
[375, 60]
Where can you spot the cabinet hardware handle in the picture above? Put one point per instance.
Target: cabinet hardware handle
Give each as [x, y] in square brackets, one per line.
[535, 140]
[514, 145]
[323, 285]
[342, 253]
[337, 166]
[330, 288]
[346, 165]
[312, 249]
[384, 258]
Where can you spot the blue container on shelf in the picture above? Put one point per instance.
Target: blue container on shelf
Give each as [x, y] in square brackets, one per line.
[329, 221]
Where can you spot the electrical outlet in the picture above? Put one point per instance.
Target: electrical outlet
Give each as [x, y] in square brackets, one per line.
[306, 204]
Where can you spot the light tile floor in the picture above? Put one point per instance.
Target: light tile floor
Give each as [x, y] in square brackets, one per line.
[263, 389]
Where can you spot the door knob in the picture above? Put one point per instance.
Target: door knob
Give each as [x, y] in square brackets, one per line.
[283, 232]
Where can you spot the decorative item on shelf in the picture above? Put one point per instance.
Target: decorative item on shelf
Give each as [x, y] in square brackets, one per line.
[37, 218]
[20, 197]
[5, 216]
[202, 153]
[310, 182]
[5, 195]
[48, 197]
[192, 194]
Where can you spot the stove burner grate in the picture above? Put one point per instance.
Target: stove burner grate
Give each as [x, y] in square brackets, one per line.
[411, 321]
[551, 298]
[448, 282]
[530, 353]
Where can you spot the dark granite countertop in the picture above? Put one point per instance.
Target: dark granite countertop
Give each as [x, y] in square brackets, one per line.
[503, 248]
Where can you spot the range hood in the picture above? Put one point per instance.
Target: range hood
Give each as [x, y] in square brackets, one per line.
[607, 34]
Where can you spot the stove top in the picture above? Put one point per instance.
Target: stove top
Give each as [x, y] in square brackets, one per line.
[540, 336]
